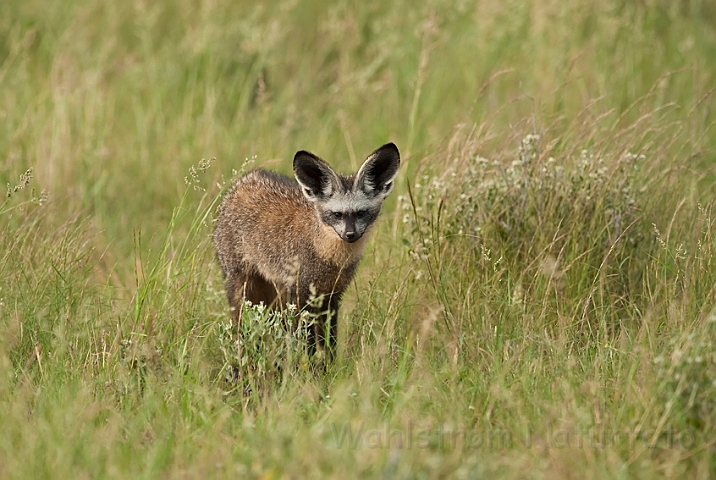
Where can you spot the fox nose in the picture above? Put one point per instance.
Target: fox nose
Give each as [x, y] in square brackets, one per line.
[350, 232]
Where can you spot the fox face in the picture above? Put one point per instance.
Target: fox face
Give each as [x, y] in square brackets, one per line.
[348, 204]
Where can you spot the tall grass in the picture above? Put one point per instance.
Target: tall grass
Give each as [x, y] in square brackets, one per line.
[538, 300]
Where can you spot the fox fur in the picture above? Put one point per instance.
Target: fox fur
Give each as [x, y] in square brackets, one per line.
[281, 240]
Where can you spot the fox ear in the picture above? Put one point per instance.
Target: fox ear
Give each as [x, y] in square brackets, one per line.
[316, 178]
[377, 173]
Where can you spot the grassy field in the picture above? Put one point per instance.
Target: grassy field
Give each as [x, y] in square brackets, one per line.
[538, 299]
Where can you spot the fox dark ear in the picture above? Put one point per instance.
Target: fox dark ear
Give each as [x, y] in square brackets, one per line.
[377, 173]
[316, 178]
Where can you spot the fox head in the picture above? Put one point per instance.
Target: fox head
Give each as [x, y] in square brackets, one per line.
[349, 204]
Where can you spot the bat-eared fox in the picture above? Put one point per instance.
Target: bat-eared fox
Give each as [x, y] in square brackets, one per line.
[280, 240]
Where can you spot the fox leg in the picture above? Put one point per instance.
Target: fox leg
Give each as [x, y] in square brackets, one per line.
[254, 288]
[329, 326]
[235, 290]
[324, 331]
[300, 295]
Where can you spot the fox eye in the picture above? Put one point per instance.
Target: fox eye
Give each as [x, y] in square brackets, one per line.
[361, 213]
[338, 215]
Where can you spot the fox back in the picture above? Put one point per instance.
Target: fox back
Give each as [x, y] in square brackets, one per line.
[282, 240]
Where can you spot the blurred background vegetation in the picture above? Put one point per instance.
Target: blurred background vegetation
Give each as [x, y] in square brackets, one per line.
[104, 99]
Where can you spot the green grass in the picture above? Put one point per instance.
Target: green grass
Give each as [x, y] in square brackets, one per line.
[538, 300]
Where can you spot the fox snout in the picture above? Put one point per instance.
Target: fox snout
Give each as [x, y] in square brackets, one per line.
[352, 225]
[350, 233]
[347, 229]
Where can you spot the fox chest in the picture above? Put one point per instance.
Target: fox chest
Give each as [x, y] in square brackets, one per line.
[325, 278]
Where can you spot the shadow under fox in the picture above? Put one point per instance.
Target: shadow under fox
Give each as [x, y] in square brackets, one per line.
[280, 240]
